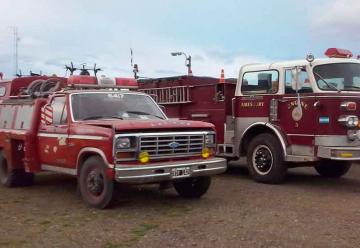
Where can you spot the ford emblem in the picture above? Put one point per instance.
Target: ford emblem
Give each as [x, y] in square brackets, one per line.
[174, 145]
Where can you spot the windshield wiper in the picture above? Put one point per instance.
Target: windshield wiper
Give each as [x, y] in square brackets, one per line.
[143, 113]
[327, 83]
[101, 117]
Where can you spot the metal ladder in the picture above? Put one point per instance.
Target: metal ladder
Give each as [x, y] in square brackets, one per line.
[169, 95]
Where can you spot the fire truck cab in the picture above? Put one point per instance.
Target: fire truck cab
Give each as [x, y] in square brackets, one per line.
[286, 114]
[101, 132]
[297, 113]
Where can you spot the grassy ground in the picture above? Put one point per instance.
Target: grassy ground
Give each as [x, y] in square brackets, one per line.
[306, 211]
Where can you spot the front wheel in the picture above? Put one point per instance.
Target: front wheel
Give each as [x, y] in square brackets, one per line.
[332, 168]
[193, 187]
[265, 159]
[96, 188]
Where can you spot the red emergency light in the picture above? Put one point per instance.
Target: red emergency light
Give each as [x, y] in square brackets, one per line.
[126, 82]
[338, 53]
[85, 81]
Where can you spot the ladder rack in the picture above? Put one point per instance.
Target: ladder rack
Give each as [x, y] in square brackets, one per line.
[169, 95]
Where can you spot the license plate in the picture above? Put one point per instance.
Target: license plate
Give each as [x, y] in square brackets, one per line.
[180, 172]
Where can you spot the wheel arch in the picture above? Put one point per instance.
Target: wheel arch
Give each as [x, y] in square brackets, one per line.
[259, 128]
[86, 153]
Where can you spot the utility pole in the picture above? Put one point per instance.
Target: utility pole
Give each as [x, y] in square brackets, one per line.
[16, 41]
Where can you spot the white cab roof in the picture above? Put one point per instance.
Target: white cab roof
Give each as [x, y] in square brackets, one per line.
[292, 63]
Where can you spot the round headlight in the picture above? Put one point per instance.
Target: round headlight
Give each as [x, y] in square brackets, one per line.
[352, 121]
[123, 143]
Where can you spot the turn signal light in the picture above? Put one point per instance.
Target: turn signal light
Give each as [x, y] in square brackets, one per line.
[125, 155]
[341, 154]
[349, 106]
[346, 155]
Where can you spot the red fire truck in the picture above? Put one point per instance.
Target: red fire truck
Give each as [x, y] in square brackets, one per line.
[277, 116]
[95, 128]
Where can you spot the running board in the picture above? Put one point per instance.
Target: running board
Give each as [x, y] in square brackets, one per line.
[69, 171]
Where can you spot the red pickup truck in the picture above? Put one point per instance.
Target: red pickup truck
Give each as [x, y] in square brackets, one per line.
[103, 134]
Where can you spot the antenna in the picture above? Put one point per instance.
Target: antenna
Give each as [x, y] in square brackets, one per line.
[16, 44]
[131, 57]
[96, 69]
[134, 66]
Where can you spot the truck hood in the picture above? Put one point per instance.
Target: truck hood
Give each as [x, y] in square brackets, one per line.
[140, 125]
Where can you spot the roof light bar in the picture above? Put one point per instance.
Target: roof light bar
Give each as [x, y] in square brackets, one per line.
[338, 53]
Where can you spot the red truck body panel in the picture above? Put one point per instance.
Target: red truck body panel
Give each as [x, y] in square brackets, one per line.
[201, 104]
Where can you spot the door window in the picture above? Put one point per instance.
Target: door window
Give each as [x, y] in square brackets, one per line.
[304, 80]
[59, 111]
[260, 82]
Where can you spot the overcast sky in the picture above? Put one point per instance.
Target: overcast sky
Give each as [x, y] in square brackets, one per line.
[218, 34]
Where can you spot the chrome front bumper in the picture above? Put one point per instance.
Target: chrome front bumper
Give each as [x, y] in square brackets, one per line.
[157, 172]
[349, 153]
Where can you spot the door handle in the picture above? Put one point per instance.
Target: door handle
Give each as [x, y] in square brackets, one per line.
[317, 104]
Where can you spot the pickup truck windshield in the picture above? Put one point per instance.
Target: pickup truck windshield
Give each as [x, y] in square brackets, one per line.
[339, 76]
[113, 105]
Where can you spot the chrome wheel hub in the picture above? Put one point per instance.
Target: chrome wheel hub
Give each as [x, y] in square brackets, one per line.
[95, 183]
[262, 159]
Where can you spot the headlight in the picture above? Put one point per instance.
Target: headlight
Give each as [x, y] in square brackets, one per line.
[349, 120]
[209, 139]
[353, 121]
[123, 143]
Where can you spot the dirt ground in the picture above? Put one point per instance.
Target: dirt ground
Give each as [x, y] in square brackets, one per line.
[306, 211]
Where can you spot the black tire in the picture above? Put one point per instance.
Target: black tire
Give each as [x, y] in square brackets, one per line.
[96, 188]
[265, 159]
[13, 177]
[332, 168]
[193, 187]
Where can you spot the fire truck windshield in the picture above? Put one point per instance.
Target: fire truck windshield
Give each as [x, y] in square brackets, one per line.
[338, 76]
[113, 105]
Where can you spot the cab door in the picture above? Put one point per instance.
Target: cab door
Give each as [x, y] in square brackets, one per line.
[54, 133]
[298, 123]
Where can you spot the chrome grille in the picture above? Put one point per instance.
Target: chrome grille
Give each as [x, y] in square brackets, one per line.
[172, 145]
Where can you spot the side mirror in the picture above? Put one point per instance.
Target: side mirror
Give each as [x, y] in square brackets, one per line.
[162, 107]
[46, 116]
[295, 79]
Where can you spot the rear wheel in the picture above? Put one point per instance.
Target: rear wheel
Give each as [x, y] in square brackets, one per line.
[13, 177]
[265, 159]
[95, 186]
[332, 168]
[193, 187]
